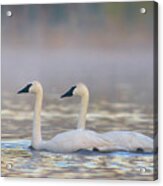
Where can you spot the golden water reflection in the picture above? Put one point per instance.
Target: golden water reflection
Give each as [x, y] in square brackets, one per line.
[20, 161]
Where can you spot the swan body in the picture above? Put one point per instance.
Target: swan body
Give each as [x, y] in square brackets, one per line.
[114, 140]
[65, 142]
[75, 140]
[127, 141]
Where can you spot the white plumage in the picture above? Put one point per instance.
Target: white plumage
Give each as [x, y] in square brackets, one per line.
[65, 142]
[113, 140]
[75, 140]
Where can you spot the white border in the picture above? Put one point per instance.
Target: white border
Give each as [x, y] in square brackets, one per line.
[40, 181]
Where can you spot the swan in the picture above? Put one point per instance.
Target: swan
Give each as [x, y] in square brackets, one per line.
[118, 140]
[65, 142]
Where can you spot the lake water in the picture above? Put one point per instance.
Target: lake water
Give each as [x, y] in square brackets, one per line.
[18, 160]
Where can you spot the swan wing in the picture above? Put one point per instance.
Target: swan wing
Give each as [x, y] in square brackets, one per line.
[128, 141]
[75, 140]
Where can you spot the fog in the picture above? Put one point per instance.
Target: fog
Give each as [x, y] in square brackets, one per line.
[108, 46]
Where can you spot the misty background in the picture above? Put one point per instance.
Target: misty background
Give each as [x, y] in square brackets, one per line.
[108, 46]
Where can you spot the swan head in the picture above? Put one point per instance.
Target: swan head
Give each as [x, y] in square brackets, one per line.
[33, 87]
[79, 90]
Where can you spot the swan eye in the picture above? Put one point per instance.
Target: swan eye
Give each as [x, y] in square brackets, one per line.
[69, 93]
[25, 89]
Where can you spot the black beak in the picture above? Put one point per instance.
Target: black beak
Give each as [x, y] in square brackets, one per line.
[69, 93]
[20, 91]
[25, 89]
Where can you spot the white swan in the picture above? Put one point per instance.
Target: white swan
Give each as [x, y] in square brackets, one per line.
[65, 142]
[118, 140]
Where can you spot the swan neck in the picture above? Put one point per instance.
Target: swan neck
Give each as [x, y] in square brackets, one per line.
[36, 136]
[83, 111]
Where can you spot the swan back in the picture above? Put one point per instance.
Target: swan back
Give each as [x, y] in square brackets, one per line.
[75, 140]
[128, 141]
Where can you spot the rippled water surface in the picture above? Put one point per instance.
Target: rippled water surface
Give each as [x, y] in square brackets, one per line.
[59, 116]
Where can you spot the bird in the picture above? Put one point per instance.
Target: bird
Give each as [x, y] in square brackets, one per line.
[117, 140]
[66, 142]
